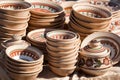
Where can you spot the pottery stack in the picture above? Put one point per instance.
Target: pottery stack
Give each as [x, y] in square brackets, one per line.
[86, 19]
[46, 14]
[14, 17]
[62, 47]
[37, 38]
[23, 62]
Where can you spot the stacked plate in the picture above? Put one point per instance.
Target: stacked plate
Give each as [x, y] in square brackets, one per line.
[86, 19]
[37, 38]
[23, 62]
[14, 17]
[62, 47]
[46, 15]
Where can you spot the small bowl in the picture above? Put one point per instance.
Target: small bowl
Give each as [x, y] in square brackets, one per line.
[15, 8]
[46, 8]
[61, 36]
[24, 54]
[91, 13]
[62, 71]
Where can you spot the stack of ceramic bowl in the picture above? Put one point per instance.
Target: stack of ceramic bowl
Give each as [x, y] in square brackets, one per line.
[23, 62]
[46, 15]
[86, 19]
[62, 47]
[14, 17]
[37, 38]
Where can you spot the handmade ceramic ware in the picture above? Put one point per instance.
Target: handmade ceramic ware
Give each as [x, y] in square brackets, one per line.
[15, 8]
[95, 56]
[89, 13]
[108, 40]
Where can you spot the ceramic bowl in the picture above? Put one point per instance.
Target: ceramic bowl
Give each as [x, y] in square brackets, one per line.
[91, 13]
[18, 76]
[91, 25]
[24, 54]
[15, 8]
[62, 71]
[46, 8]
[61, 36]
[57, 48]
[96, 72]
[38, 35]
[13, 18]
[19, 69]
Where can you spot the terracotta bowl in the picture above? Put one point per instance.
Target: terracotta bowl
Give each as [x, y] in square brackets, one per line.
[62, 71]
[37, 16]
[15, 8]
[61, 36]
[95, 71]
[38, 35]
[58, 48]
[91, 25]
[18, 76]
[91, 13]
[46, 8]
[13, 18]
[24, 54]
[28, 69]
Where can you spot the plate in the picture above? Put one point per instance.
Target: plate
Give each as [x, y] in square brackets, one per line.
[109, 40]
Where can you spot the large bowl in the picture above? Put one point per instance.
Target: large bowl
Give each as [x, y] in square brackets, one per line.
[46, 8]
[24, 54]
[91, 13]
[15, 8]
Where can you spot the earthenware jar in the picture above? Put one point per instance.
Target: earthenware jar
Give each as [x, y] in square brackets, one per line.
[95, 56]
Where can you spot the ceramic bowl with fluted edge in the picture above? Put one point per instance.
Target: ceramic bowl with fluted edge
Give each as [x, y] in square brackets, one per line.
[61, 36]
[15, 8]
[24, 54]
[46, 8]
[91, 13]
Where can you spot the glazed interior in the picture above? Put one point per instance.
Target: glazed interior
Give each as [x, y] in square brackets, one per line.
[45, 7]
[61, 35]
[92, 11]
[23, 55]
[14, 5]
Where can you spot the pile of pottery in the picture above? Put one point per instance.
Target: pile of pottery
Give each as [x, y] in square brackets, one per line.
[23, 62]
[37, 38]
[99, 51]
[62, 47]
[46, 15]
[14, 17]
[86, 19]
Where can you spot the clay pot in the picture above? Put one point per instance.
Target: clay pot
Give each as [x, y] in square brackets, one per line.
[81, 12]
[62, 71]
[49, 7]
[15, 8]
[61, 36]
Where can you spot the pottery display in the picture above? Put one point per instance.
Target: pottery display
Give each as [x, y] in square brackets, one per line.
[45, 14]
[62, 47]
[22, 60]
[14, 17]
[84, 19]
